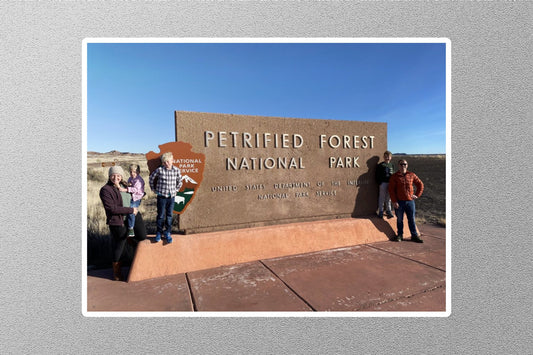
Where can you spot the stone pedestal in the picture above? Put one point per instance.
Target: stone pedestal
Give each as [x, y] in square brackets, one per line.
[208, 250]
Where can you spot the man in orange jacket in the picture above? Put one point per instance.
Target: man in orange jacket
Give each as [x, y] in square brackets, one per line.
[402, 196]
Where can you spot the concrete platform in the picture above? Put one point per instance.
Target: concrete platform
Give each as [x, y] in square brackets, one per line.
[373, 277]
[207, 250]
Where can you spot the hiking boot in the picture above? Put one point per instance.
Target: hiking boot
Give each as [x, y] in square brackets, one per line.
[416, 239]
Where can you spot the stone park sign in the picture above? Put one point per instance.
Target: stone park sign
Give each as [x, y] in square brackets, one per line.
[260, 171]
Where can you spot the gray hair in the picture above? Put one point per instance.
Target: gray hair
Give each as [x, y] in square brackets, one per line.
[166, 156]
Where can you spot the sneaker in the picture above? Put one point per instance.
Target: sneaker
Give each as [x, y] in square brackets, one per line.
[158, 237]
[131, 233]
[398, 238]
[416, 239]
[169, 238]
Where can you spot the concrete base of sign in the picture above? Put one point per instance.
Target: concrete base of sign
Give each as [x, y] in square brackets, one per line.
[208, 250]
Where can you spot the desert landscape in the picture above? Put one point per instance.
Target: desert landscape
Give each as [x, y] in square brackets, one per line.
[430, 208]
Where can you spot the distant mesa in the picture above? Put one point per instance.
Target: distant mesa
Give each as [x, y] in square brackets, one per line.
[116, 152]
[113, 152]
[422, 155]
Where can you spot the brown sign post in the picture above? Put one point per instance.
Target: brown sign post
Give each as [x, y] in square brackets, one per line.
[191, 165]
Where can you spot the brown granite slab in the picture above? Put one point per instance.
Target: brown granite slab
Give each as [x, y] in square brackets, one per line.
[354, 278]
[431, 301]
[431, 252]
[243, 287]
[375, 277]
[169, 293]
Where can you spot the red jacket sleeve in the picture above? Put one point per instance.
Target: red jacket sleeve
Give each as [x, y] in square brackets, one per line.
[419, 186]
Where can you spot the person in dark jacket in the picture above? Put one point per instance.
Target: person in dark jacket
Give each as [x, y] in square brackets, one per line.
[384, 171]
[116, 212]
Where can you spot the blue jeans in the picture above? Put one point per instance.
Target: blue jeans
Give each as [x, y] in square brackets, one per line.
[409, 208]
[165, 206]
[131, 216]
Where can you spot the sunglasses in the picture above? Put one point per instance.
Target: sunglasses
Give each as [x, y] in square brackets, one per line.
[403, 164]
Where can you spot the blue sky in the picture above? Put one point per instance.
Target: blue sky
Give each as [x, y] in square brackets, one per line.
[133, 89]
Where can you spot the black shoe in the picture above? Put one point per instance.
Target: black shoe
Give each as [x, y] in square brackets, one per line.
[380, 215]
[389, 215]
[416, 239]
[398, 238]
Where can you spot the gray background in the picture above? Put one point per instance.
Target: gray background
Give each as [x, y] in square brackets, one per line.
[41, 138]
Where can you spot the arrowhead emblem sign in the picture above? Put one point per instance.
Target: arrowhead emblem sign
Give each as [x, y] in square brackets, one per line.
[191, 165]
